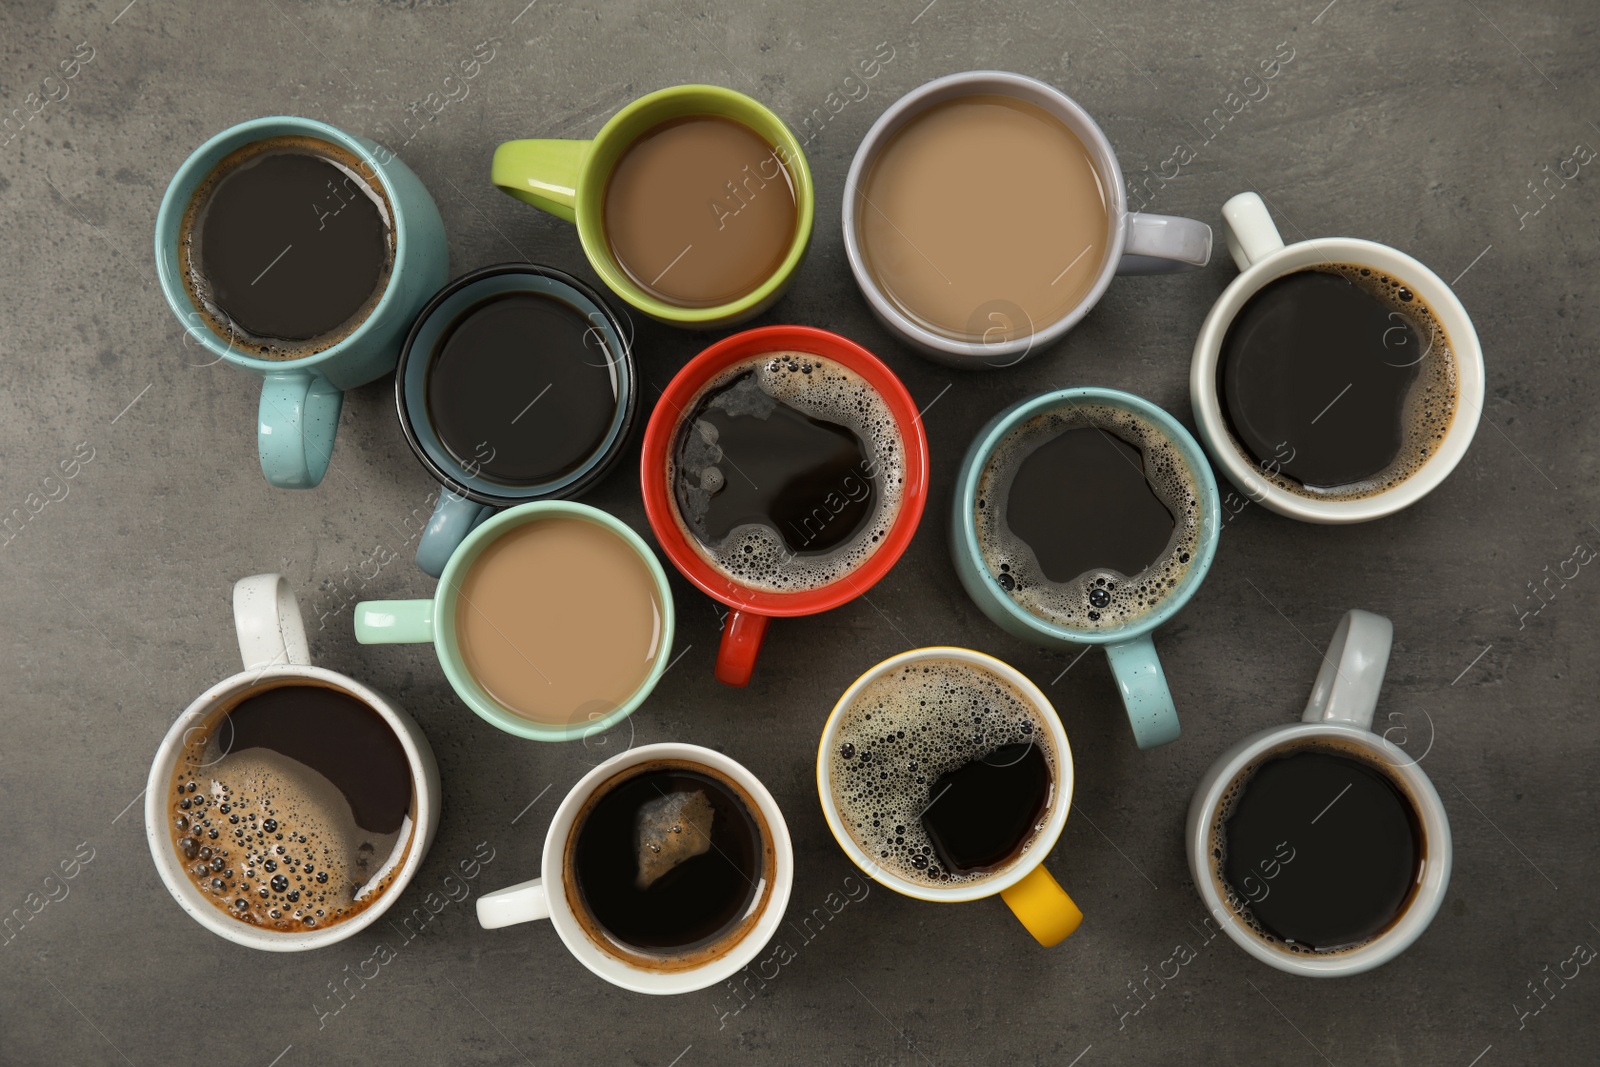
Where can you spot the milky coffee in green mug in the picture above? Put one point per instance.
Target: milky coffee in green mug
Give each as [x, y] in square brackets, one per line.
[1088, 517]
[694, 204]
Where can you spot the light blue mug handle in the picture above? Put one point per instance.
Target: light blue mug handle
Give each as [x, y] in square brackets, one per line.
[1144, 691]
[453, 518]
[394, 622]
[295, 424]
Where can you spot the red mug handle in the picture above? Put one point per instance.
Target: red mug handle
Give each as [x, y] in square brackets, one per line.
[741, 643]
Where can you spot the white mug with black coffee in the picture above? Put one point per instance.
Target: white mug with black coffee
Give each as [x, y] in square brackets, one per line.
[1336, 380]
[666, 869]
[1321, 847]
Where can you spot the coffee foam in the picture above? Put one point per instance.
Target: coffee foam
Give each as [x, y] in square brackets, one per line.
[1013, 566]
[756, 555]
[359, 176]
[271, 842]
[905, 729]
[1218, 838]
[1430, 406]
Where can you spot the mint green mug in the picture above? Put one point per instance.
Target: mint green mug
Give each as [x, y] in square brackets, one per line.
[393, 622]
[1129, 648]
[301, 398]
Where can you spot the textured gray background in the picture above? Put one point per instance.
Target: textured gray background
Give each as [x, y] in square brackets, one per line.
[1414, 123]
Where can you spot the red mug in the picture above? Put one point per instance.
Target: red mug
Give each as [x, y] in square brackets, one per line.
[750, 609]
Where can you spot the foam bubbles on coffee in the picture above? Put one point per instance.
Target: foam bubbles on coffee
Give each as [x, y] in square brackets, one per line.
[754, 554]
[901, 733]
[1100, 598]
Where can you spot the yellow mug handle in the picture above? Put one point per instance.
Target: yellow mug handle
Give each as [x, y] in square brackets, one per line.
[1041, 905]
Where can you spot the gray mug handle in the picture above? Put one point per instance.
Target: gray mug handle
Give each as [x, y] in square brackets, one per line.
[1347, 686]
[1164, 244]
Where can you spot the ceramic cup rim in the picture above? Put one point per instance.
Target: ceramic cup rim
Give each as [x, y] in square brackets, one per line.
[589, 209]
[982, 450]
[1439, 858]
[1042, 845]
[630, 976]
[1292, 258]
[596, 466]
[425, 793]
[181, 188]
[467, 688]
[1018, 86]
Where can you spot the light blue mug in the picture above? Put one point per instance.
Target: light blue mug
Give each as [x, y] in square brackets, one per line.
[1129, 647]
[301, 398]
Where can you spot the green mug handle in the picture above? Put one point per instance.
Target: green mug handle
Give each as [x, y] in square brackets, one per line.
[394, 622]
[295, 424]
[543, 173]
[1144, 691]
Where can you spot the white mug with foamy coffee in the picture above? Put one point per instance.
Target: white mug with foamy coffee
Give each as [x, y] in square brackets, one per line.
[666, 869]
[1321, 847]
[985, 215]
[1336, 380]
[289, 806]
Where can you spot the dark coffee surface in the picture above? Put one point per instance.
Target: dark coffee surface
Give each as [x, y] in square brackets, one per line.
[1317, 368]
[782, 468]
[984, 811]
[522, 389]
[653, 828]
[1322, 848]
[1081, 502]
[288, 245]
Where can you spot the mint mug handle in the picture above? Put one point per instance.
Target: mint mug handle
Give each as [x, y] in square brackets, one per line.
[394, 622]
[453, 518]
[295, 424]
[1138, 672]
[1164, 244]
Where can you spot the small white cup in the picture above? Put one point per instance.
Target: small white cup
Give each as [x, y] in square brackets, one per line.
[1262, 257]
[272, 642]
[1340, 709]
[546, 897]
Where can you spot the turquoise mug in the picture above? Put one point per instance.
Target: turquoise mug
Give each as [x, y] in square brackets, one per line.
[398, 622]
[470, 496]
[301, 398]
[1129, 648]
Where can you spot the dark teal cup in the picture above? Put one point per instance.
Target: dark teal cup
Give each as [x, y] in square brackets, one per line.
[1129, 647]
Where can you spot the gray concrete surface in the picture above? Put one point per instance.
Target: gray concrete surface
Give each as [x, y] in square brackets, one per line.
[1416, 124]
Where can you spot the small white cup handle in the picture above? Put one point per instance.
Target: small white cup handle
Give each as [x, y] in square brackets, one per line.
[1352, 671]
[267, 618]
[1247, 226]
[520, 903]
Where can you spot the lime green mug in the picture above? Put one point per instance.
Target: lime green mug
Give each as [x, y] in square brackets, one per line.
[569, 178]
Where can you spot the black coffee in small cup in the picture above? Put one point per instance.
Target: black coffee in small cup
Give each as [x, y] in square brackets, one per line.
[787, 471]
[287, 246]
[1087, 515]
[1317, 848]
[292, 809]
[669, 865]
[522, 388]
[943, 772]
[1337, 380]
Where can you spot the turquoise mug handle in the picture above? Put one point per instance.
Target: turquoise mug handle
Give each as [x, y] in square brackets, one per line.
[1143, 685]
[295, 425]
[394, 622]
[454, 517]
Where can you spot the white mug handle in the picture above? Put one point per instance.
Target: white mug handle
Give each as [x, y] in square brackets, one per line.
[1247, 226]
[267, 618]
[520, 903]
[1163, 244]
[1352, 671]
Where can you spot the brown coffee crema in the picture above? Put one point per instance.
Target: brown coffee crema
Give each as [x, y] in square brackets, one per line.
[1217, 843]
[287, 246]
[699, 211]
[983, 219]
[667, 960]
[559, 620]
